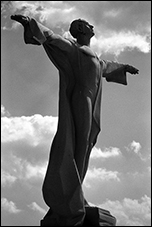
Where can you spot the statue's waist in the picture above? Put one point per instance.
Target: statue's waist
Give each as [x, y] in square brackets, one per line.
[85, 91]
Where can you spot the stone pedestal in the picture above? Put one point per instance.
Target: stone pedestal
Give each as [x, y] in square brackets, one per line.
[95, 216]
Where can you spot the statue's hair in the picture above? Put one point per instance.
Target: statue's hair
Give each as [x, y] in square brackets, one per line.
[74, 27]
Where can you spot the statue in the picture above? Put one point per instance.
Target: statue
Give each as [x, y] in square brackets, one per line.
[80, 88]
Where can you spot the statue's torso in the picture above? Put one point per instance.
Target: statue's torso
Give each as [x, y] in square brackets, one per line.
[87, 71]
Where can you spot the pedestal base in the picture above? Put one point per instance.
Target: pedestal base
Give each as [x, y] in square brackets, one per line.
[95, 216]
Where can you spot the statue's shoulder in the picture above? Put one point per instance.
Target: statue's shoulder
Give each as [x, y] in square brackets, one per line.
[73, 42]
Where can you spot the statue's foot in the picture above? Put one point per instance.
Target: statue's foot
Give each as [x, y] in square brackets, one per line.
[20, 18]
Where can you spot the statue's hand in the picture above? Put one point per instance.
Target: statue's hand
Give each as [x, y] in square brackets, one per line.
[131, 69]
[20, 18]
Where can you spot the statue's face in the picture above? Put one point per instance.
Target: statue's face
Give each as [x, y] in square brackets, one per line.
[88, 28]
[81, 27]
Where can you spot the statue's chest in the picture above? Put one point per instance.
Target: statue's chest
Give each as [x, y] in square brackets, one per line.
[89, 68]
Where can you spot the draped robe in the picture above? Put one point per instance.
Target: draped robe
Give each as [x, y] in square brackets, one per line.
[79, 70]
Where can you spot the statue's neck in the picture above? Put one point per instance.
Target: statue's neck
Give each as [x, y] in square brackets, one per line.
[83, 40]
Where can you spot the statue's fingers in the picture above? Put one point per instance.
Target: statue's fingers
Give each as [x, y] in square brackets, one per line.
[136, 71]
[12, 17]
[17, 17]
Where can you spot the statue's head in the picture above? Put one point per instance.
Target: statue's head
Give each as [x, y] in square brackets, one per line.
[81, 26]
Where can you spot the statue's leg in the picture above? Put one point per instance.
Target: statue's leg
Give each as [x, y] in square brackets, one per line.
[82, 112]
[92, 141]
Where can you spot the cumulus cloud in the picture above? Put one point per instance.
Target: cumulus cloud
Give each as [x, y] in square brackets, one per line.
[107, 153]
[34, 129]
[25, 151]
[130, 212]
[100, 174]
[22, 170]
[34, 206]
[9, 206]
[135, 146]
[25, 147]
[49, 12]
[117, 42]
[36, 171]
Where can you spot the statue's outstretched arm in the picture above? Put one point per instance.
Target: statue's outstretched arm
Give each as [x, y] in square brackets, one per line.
[28, 35]
[21, 19]
[36, 33]
[116, 72]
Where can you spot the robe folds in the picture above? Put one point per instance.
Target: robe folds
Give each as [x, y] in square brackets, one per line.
[79, 68]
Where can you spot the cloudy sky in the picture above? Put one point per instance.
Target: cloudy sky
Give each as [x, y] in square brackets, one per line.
[118, 178]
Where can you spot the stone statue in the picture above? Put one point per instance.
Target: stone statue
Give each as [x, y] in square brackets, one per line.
[80, 88]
